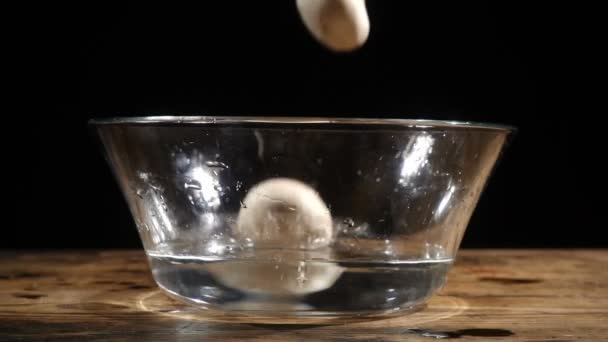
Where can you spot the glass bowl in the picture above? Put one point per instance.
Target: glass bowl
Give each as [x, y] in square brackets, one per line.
[306, 217]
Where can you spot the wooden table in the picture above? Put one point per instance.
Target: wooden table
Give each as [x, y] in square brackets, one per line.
[492, 295]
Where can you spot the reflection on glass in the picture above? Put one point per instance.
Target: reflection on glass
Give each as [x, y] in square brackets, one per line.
[205, 188]
[445, 201]
[414, 156]
[162, 227]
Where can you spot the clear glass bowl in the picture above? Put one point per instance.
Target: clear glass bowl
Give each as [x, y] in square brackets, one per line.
[307, 217]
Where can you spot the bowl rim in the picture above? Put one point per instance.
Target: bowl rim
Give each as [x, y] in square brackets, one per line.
[209, 120]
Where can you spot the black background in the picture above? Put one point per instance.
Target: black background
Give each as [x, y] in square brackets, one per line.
[494, 62]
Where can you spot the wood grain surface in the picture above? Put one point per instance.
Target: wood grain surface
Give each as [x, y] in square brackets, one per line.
[491, 295]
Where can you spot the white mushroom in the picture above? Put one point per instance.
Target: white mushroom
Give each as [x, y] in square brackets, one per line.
[285, 213]
[340, 25]
[289, 217]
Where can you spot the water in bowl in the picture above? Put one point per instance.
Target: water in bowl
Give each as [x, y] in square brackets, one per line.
[270, 281]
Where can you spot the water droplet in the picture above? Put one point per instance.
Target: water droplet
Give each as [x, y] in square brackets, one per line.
[143, 176]
[301, 278]
[142, 226]
[218, 188]
[359, 173]
[349, 222]
[216, 164]
[380, 157]
[192, 184]
[397, 155]
[378, 180]
[278, 258]
[238, 185]
[140, 193]
[320, 161]
[276, 267]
